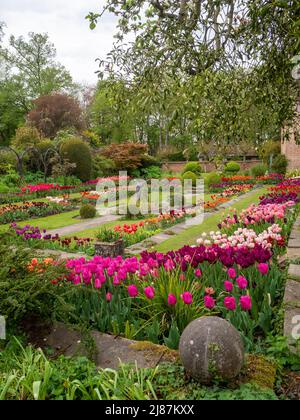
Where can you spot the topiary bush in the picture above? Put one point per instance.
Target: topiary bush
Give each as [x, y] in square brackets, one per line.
[213, 178]
[78, 152]
[280, 164]
[4, 189]
[194, 167]
[88, 211]
[190, 175]
[259, 170]
[232, 167]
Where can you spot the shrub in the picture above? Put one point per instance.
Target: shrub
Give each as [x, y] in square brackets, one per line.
[213, 178]
[153, 172]
[193, 167]
[78, 152]
[102, 167]
[280, 164]
[149, 161]
[190, 175]
[7, 161]
[24, 290]
[4, 189]
[88, 211]
[259, 170]
[232, 167]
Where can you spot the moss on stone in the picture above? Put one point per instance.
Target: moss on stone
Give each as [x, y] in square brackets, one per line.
[155, 350]
[260, 371]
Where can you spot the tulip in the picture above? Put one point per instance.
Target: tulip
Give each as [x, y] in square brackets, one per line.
[263, 268]
[172, 300]
[133, 291]
[246, 303]
[187, 298]
[149, 292]
[242, 282]
[230, 303]
[209, 302]
[228, 286]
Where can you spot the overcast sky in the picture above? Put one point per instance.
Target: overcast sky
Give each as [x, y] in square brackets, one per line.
[64, 20]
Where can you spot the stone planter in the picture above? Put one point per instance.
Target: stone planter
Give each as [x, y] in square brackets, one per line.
[109, 249]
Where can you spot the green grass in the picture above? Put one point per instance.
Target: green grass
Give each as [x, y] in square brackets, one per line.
[51, 222]
[189, 236]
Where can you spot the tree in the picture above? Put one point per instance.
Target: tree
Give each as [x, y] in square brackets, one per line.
[26, 137]
[11, 110]
[126, 156]
[56, 112]
[185, 35]
[34, 61]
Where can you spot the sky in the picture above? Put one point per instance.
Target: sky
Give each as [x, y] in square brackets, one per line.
[64, 20]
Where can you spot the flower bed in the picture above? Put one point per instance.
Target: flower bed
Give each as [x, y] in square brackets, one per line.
[29, 210]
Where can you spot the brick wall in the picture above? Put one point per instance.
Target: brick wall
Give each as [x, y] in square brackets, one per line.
[289, 148]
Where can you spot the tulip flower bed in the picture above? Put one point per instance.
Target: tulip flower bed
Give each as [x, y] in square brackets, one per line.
[158, 295]
[138, 232]
[31, 192]
[39, 239]
[235, 276]
[229, 183]
[28, 210]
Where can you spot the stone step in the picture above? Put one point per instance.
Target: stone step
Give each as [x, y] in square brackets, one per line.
[109, 350]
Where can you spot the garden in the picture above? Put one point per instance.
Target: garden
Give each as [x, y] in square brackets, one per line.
[191, 301]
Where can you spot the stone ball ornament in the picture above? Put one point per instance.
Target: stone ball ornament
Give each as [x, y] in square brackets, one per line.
[211, 348]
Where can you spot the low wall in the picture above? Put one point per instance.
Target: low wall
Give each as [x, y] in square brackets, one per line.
[208, 166]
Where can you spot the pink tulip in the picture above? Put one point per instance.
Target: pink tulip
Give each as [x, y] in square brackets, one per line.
[172, 300]
[133, 291]
[149, 292]
[209, 302]
[263, 268]
[246, 303]
[187, 298]
[97, 283]
[230, 303]
[231, 273]
[228, 286]
[182, 277]
[242, 282]
[108, 297]
[198, 273]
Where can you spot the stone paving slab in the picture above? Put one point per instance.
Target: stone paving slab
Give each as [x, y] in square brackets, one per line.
[293, 253]
[110, 350]
[294, 272]
[292, 289]
[292, 292]
[294, 243]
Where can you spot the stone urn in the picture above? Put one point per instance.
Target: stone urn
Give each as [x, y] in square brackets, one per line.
[110, 249]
